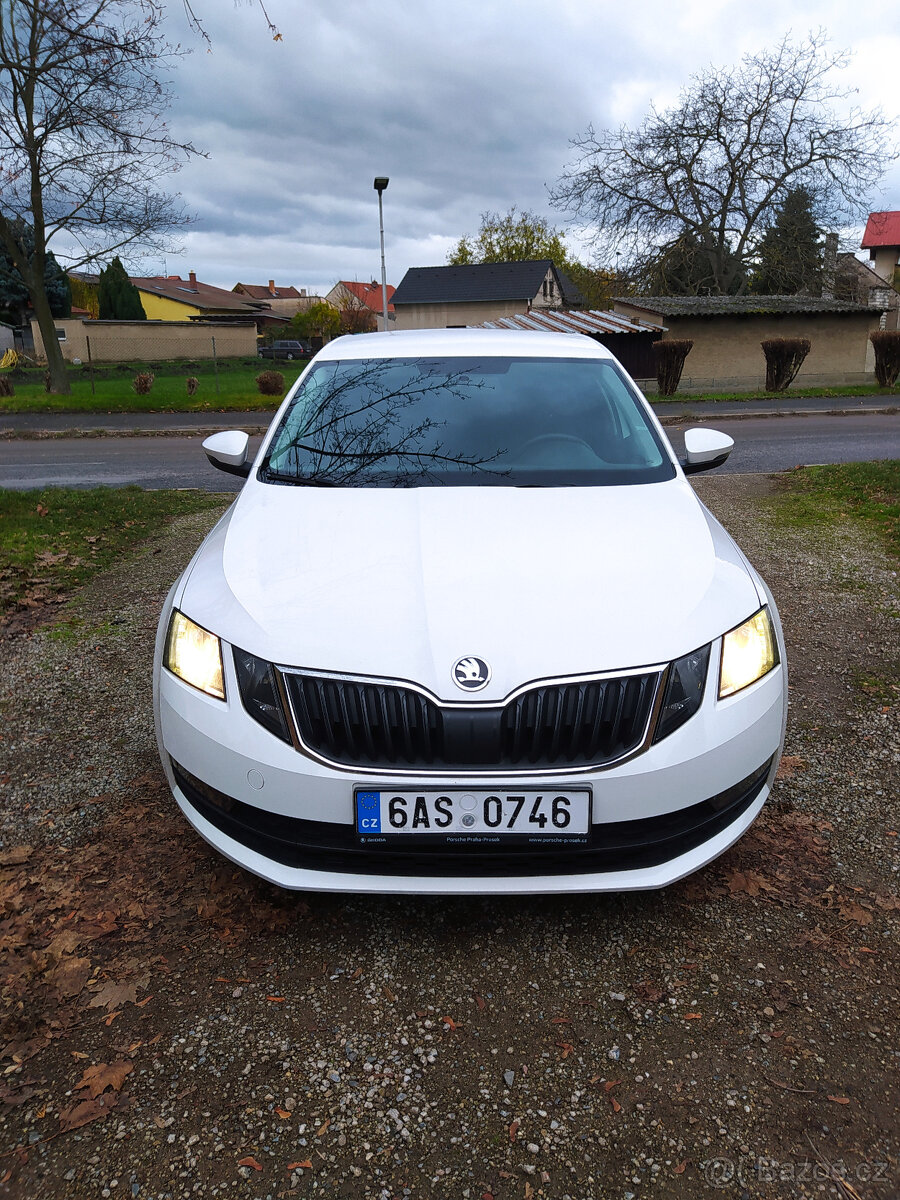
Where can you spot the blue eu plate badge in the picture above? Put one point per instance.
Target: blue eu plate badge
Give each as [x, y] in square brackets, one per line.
[368, 812]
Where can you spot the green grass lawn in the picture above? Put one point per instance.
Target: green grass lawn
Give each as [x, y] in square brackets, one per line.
[55, 540]
[233, 388]
[869, 492]
[867, 389]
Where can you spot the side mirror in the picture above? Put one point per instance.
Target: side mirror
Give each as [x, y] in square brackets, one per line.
[228, 451]
[705, 449]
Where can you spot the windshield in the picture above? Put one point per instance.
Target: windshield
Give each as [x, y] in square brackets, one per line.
[416, 422]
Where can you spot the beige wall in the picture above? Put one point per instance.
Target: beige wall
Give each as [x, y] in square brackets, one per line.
[134, 341]
[440, 316]
[884, 262]
[727, 352]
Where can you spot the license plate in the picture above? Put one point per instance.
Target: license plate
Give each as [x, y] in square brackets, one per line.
[463, 817]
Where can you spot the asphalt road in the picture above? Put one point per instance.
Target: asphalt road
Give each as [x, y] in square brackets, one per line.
[762, 444]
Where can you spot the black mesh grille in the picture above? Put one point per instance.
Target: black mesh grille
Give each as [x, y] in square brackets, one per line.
[556, 725]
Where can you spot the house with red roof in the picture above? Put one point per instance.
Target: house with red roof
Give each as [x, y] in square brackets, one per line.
[286, 300]
[351, 296]
[882, 240]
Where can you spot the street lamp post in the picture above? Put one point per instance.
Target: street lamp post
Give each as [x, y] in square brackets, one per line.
[380, 184]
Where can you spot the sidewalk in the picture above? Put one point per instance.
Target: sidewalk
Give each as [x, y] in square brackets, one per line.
[41, 424]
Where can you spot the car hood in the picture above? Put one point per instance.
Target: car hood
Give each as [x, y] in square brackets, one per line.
[539, 582]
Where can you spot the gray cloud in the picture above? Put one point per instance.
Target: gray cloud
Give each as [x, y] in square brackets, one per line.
[466, 106]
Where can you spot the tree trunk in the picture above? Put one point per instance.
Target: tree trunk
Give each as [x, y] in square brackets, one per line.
[56, 367]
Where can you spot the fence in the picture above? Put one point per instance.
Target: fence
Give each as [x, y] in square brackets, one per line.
[149, 341]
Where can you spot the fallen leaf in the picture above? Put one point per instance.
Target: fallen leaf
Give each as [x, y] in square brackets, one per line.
[276, 999]
[566, 1048]
[112, 1016]
[788, 767]
[323, 1127]
[249, 1161]
[113, 995]
[449, 1021]
[390, 995]
[283, 1113]
[679, 1170]
[560, 1021]
[839, 1099]
[529, 1190]
[15, 856]
[608, 1087]
[356, 974]
[104, 1075]
[616, 1106]
[693, 1016]
[479, 1000]
[82, 1112]
[854, 912]
[513, 1130]
[295, 1166]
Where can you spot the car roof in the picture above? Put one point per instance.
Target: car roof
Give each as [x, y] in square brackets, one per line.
[515, 343]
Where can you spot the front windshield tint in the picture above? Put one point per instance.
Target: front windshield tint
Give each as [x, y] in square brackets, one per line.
[418, 422]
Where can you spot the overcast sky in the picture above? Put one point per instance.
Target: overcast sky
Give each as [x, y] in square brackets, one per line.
[466, 105]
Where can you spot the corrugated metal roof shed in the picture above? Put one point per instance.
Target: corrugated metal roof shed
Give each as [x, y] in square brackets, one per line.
[591, 322]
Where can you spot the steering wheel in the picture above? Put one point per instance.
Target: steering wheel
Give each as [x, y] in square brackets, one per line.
[547, 443]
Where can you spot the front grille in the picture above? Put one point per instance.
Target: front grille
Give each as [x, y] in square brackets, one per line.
[576, 724]
[613, 846]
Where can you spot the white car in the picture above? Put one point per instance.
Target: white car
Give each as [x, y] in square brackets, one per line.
[468, 629]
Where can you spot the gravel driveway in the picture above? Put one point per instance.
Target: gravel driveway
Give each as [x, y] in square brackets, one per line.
[173, 1027]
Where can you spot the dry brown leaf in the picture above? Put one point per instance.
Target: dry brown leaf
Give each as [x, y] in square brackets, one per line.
[513, 1130]
[283, 1113]
[616, 1106]
[15, 856]
[610, 1084]
[560, 1021]
[790, 764]
[64, 943]
[69, 976]
[693, 1016]
[449, 1021]
[679, 1170]
[479, 1000]
[306, 1165]
[566, 1048]
[112, 995]
[852, 911]
[839, 1099]
[249, 1161]
[323, 1127]
[390, 995]
[81, 1112]
[276, 999]
[104, 1075]
[529, 1190]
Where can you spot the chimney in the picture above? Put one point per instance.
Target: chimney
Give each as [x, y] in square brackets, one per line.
[193, 280]
[829, 265]
[272, 286]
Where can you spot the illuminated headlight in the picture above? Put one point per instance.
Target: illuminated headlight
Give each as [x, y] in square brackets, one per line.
[748, 653]
[194, 655]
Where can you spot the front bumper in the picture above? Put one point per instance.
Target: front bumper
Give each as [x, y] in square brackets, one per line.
[289, 819]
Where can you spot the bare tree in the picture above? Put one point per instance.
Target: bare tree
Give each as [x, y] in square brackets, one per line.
[196, 23]
[83, 142]
[714, 168]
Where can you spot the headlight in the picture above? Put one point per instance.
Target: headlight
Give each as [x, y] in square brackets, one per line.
[259, 692]
[748, 653]
[684, 691]
[194, 655]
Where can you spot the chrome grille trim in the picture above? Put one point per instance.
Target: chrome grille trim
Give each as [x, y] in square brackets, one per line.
[399, 707]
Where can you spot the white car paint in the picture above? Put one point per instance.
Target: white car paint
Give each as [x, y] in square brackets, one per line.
[399, 583]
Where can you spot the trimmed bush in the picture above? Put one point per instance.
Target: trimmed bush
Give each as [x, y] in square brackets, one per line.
[670, 356]
[142, 383]
[192, 384]
[784, 358]
[886, 343]
[6, 387]
[270, 383]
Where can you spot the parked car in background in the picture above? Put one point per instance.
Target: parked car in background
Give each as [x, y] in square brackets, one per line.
[468, 629]
[286, 350]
